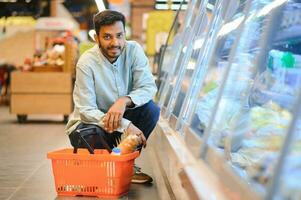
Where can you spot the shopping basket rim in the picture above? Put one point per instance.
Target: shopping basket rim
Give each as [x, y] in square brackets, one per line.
[83, 154]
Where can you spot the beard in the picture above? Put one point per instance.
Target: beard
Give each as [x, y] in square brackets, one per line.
[107, 52]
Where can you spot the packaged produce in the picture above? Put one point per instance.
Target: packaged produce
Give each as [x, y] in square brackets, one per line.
[127, 145]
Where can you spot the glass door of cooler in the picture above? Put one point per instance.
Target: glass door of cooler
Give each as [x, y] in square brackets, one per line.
[285, 171]
[190, 14]
[202, 46]
[201, 41]
[207, 77]
[198, 14]
[168, 57]
[171, 53]
[254, 106]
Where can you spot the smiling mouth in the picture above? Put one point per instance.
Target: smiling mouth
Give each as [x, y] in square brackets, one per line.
[114, 47]
[114, 50]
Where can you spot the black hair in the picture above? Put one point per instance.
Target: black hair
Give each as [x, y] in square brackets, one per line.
[107, 17]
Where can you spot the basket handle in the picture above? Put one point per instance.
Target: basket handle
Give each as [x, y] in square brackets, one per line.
[81, 133]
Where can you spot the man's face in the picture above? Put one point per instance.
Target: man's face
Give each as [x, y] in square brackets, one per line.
[111, 40]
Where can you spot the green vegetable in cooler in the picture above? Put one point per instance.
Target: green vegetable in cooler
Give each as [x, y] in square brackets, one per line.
[268, 142]
[210, 86]
[281, 59]
[288, 60]
[270, 114]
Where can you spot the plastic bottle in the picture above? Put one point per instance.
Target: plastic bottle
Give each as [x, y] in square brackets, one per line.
[116, 151]
[286, 67]
[128, 144]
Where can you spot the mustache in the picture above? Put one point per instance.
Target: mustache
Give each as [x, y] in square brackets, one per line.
[114, 47]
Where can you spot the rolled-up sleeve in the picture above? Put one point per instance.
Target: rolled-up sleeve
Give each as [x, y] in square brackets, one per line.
[144, 87]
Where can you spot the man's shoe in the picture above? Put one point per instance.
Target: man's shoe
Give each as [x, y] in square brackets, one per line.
[140, 177]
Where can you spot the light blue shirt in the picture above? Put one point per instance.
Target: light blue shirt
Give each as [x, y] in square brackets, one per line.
[100, 83]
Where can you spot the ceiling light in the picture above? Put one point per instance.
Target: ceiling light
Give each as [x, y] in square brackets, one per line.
[198, 43]
[229, 27]
[100, 5]
[191, 65]
[210, 6]
[269, 7]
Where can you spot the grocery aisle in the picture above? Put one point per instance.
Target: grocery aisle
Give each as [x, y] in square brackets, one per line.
[25, 172]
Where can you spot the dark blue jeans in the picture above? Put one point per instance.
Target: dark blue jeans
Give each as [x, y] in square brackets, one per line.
[144, 117]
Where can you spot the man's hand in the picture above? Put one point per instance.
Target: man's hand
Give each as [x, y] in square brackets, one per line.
[112, 120]
[132, 129]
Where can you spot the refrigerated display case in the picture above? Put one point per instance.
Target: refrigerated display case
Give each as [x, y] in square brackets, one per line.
[255, 103]
[286, 181]
[241, 111]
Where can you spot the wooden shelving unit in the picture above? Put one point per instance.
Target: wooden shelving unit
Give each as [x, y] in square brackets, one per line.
[41, 93]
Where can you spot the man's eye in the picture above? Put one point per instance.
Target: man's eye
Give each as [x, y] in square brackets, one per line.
[120, 35]
[107, 37]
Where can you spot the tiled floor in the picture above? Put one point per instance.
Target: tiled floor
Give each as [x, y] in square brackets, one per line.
[25, 172]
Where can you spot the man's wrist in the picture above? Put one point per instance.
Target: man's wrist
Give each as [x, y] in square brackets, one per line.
[127, 101]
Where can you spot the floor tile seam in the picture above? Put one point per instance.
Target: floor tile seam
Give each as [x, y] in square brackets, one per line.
[26, 179]
[7, 188]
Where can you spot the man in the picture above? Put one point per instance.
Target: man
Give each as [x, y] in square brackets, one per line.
[114, 88]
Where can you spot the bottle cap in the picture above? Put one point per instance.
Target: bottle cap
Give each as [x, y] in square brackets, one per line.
[116, 151]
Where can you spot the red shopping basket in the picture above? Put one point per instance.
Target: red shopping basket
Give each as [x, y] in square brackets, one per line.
[100, 174]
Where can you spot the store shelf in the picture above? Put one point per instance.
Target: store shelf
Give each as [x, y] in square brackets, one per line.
[235, 185]
[188, 177]
[41, 93]
[289, 34]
